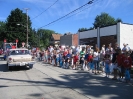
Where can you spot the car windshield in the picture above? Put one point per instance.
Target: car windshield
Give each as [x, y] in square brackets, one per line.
[19, 52]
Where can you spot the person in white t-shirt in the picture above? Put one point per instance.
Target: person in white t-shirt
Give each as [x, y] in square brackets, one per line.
[96, 60]
[77, 49]
[125, 48]
[51, 49]
[128, 48]
[109, 51]
[88, 49]
[102, 55]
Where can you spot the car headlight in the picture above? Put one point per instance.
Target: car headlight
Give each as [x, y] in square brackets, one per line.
[10, 60]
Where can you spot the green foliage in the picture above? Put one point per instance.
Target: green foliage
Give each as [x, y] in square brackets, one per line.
[105, 20]
[44, 36]
[2, 31]
[13, 30]
[82, 29]
[102, 20]
[118, 20]
[91, 28]
[15, 27]
[33, 38]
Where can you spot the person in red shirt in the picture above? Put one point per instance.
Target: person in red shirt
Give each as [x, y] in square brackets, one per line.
[65, 53]
[119, 58]
[13, 47]
[75, 60]
[90, 62]
[126, 62]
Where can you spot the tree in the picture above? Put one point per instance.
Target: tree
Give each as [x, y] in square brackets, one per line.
[82, 29]
[91, 28]
[44, 36]
[2, 31]
[105, 20]
[118, 20]
[101, 21]
[33, 38]
[13, 30]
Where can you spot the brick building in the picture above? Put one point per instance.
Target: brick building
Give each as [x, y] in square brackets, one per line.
[119, 33]
[69, 39]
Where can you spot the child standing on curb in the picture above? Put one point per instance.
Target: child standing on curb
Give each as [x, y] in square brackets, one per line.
[75, 60]
[107, 63]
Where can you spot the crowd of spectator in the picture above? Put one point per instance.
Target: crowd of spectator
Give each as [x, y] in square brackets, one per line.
[109, 60]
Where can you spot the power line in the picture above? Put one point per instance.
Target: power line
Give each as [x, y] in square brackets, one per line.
[90, 2]
[46, 9]
[80, 10]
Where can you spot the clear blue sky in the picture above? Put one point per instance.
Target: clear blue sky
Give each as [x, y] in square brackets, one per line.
[116, 8]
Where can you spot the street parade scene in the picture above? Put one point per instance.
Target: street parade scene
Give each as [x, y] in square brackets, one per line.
[111, 60]
[66, 49]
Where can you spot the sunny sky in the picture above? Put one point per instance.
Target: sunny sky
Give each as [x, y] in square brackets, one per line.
[43, 12]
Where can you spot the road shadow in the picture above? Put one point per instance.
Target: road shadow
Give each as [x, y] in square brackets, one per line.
[18, 68]
[84, 83]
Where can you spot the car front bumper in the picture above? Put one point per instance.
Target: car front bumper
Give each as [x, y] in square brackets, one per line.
[21, 63]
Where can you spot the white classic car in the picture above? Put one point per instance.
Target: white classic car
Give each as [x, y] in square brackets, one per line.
[19, 57]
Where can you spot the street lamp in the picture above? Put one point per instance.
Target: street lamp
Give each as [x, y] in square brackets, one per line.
[22, 25]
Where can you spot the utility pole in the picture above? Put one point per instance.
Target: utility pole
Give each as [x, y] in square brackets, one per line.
[27, 28]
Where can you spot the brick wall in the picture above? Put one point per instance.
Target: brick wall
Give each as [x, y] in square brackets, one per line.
[75, 40]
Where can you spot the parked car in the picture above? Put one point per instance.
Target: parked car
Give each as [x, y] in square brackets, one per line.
[19, 57]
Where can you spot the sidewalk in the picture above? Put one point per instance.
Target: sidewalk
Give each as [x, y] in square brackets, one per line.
[100, 74]
[86, 83]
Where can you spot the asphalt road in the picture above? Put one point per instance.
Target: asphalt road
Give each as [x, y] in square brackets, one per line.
[48, 82]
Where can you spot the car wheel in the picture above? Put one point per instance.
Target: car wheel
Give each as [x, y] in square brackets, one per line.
[9, 68]
[31, 66]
